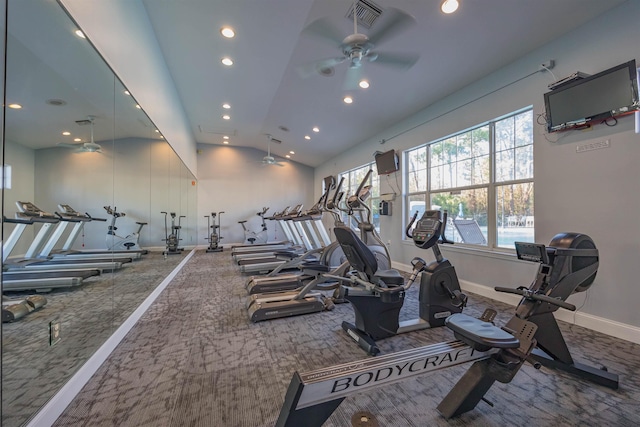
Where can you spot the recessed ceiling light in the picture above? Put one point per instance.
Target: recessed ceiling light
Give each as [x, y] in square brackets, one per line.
[225, 137]
[80, 34]
[449, 6]
[307, 137]
[162, 136]
[226, 106]
[226, 117]
[157, 131]
[227, 32]
[348, 100]
[77, 139]
[363, 84]
[138, 107]
[15, 106]
[225, 142]
[316, 129]
[126, 92]
[292, 152]
[288, 156]
[66, 133]
[227, 61]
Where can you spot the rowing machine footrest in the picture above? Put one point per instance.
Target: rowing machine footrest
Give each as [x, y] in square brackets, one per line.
[479, 335]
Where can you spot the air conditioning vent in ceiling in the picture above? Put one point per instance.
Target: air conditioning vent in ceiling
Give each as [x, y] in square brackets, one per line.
[366, 11]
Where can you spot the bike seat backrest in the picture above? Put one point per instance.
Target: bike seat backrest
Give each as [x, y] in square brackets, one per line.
[565, 256]
[357, 253]
[478, 334]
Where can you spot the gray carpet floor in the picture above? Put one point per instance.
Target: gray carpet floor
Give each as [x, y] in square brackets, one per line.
[32, 370]
[195, 359]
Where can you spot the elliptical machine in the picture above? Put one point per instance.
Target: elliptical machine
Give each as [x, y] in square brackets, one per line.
[214, 237]
[119, 243]
[252, 237]
[172, 240]
[377, 295]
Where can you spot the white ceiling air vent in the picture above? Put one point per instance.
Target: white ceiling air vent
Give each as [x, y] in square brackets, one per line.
[366, 11]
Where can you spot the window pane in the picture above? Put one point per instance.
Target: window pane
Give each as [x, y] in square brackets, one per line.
[375, 213]
[524, 128]
[417, 181]
[524, 162]
[417, 159]
[435, 178]
[469, 206]
[515, 218]
[436, 153]
[464, 173]
[464, 146]
[504, 166]
[481, 141]
[504, 134]
[480, 170]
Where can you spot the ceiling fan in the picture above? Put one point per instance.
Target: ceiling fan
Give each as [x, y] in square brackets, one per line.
[269, 159]
[85, 147]
[357, 47]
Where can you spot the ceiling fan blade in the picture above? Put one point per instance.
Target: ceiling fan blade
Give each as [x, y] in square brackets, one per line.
[352, 78]
[395, 21]
[314, 68]
[324, 30]
[399, 60]
[67, 145]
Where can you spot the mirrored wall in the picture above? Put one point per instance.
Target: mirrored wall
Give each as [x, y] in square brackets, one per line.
[74, 137]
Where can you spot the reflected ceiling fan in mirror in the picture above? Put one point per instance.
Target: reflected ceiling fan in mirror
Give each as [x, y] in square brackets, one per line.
[357, 48]
[269, 159]
[84, 147]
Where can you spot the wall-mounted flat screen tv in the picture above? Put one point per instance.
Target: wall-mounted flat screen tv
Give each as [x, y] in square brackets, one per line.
[386, 162]
[610, 93]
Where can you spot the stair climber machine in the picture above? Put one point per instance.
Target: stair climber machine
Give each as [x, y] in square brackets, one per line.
[214, 237]
[172, 239]
[377, 295]
[568, 265]
[120, 243]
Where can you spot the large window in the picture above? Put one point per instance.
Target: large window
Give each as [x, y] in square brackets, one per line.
[482, 177]
[352, 180]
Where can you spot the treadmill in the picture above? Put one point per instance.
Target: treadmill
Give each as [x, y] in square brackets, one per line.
[32, 261]
[69, 215]
[41, 281]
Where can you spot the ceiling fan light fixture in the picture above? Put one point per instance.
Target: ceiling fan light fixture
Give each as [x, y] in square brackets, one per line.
[227, 32]
[449, 6]
[348, 100]
[227, 61]
[363, 84]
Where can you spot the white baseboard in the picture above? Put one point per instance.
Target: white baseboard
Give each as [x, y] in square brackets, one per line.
[586, 320]
[59, 402]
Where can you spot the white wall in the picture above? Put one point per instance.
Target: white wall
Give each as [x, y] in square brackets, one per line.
[138, 176]
[21, 160]
[233, 180]
[593, 192]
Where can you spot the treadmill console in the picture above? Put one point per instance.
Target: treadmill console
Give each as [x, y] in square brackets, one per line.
[427, 230]
[30, 210]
